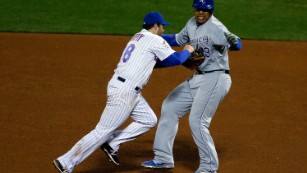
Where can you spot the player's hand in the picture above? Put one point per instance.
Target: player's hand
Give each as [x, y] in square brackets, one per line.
[189, 48]
[233, 40]
[195, 60]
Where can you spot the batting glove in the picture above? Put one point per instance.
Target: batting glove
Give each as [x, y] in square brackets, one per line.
[234, 41]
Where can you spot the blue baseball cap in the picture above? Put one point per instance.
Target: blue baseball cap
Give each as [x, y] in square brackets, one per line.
[154, 18]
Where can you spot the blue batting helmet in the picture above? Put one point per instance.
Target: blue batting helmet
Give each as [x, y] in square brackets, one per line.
[207, 5]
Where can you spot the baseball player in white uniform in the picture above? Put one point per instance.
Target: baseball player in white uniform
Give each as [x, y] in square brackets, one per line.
[146, 50]
[201, 94]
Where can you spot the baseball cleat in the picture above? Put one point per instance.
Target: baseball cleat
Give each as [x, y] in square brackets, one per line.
[154, 164]
[110, 153]
[59, 166]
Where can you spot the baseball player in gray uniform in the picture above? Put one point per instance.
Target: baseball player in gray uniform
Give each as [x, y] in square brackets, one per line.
[202, 93]
[146, 50]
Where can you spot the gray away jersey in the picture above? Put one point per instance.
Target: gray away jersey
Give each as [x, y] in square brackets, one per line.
[202, 38]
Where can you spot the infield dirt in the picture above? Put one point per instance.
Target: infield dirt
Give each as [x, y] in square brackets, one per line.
[53, 90]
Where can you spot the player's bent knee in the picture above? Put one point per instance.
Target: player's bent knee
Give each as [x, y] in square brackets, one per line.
[168, 109]
[153, 122]
[196, 124]
[150, 123]
[167, 105]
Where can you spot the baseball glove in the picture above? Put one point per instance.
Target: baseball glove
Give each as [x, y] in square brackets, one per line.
[194, 60]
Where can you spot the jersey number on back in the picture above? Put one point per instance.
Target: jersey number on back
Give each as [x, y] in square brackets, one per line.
[128, 52]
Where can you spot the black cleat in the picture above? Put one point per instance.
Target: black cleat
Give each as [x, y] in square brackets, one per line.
[59, 166]
[110, 153]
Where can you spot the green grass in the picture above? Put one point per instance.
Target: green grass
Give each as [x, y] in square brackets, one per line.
[266, 19]
[262, 19]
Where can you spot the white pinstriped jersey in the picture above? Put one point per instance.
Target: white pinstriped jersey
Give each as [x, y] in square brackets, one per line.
[202, 38]
[140, 56]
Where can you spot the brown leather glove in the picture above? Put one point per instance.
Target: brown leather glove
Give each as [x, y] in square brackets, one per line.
[194, 60]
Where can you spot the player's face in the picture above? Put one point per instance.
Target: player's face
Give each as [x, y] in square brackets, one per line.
[201, 16]
[160, 30]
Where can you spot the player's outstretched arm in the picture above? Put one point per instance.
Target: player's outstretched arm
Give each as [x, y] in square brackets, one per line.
[171, 39]
[176, 58]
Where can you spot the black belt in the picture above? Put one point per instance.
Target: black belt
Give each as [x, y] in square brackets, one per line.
[204, 72]
[123, 80]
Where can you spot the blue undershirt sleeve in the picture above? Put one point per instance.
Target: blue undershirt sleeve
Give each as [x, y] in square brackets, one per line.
[171, 39]
[237, 46]
[174, 59]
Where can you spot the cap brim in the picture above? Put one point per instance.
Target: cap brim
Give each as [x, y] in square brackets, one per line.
[166, 23]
